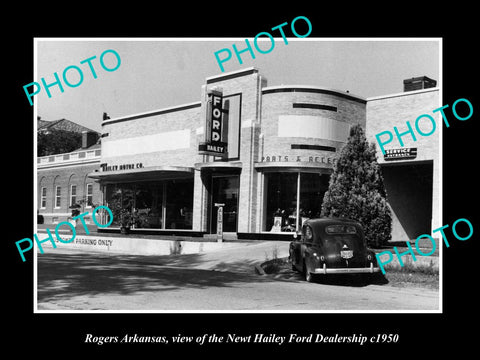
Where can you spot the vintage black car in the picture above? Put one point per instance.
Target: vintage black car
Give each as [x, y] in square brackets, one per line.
[331, 246]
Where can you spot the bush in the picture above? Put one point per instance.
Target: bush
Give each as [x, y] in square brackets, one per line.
[356, 189]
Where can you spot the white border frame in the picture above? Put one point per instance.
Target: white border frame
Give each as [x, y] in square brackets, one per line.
[373, 39]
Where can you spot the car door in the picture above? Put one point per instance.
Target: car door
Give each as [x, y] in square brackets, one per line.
[295, 252]
[307, 242]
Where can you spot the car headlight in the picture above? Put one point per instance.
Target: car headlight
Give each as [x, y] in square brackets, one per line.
[318, 257]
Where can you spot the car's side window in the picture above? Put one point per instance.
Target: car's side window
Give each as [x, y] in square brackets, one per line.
[307, 234]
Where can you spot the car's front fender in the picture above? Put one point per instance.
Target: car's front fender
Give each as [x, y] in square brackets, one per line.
[308, 258]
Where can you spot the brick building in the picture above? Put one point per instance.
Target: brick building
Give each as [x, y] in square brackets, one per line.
[45, 126]
[412, 173]
[282, 144]
[62, 181]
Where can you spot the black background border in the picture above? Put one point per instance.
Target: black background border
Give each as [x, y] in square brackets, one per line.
[421, 333]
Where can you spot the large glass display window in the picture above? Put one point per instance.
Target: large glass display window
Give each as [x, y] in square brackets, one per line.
[179, 204]
[149, 205]
[281, 207]
[113, 199]
[312, 190]
[152, 204]
[292, 198]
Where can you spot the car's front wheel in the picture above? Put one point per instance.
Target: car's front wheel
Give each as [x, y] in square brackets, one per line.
[292, 261]
[307, 273]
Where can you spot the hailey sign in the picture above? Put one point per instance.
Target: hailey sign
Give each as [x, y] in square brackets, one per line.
[400, 154]
[214, 133]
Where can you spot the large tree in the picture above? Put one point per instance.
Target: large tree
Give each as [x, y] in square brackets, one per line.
[356, 189]
[58, 142]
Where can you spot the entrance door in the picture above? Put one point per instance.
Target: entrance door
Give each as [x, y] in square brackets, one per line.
[224, 190]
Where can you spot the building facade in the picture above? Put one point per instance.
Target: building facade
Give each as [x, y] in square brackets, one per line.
[282, 144]
[271, 168]
[412, 173]
[63, 183]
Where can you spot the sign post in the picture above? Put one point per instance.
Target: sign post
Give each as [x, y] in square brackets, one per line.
[219, 221]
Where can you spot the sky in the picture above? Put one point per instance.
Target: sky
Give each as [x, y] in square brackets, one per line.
[159, 73]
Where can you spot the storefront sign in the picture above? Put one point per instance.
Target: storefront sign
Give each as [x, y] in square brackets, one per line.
[298, 158]
[208, 149]
[214, 134]
[106, 167]
[400, 154]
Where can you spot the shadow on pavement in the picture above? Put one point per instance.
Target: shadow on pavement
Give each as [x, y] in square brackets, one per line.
[67, 275]
[352, 280]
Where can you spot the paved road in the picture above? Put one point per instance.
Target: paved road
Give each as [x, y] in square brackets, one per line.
[72, 280]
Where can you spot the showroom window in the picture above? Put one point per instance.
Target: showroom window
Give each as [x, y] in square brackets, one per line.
[289, 194]
[155, 205]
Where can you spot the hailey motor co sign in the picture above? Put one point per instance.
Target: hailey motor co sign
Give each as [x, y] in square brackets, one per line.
[106, 167]
[400, 154]
[215, 133]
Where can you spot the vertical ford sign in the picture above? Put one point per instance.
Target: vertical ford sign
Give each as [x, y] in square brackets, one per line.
[215, 134]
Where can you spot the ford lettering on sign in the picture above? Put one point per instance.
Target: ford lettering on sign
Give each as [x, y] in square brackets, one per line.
[216, 127]
[214, 134]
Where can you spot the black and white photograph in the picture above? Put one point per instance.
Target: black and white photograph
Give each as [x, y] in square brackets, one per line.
[275, 182]
[223, 189]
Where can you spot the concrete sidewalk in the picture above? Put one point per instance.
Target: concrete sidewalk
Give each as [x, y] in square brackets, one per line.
[243, 257]
[236, 256]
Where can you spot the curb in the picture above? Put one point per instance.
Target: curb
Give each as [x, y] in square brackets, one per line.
[259, 269]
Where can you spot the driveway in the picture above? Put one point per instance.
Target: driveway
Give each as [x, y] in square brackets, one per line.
[219, 280]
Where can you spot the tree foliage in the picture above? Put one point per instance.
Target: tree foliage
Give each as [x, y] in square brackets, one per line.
[356, 189]
[58, 142]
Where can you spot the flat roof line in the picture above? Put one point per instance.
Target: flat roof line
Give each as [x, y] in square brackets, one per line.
[153, 112]
[232, 74]
[404, 93]
[311, 88]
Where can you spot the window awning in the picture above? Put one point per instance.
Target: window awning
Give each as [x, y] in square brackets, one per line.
[219, 166]
[144, 174]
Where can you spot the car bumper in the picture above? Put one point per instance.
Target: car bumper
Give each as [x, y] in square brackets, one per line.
[362, 270]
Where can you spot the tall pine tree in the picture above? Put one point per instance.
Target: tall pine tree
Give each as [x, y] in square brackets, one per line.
[356, 189]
